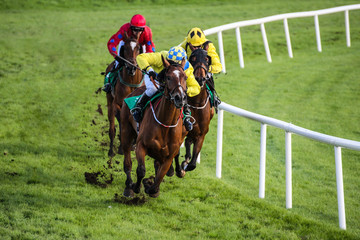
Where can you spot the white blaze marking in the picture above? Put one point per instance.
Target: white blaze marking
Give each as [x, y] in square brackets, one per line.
[177, 73]
[133, 45]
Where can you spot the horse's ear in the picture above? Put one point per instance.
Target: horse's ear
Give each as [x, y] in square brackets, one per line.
[206, 47]
[183, 62]
[191, 47]
[125, 35]
[165, 62]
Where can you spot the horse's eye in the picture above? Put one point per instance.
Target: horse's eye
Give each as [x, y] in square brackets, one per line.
[168, 78]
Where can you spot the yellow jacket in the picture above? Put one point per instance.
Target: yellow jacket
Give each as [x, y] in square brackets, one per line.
[216, 65]
[154, 60]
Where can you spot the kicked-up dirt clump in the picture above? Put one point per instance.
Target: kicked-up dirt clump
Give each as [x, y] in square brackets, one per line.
[130, 201]
[98, 178]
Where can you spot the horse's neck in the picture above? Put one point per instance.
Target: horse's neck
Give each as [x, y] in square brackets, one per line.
[131, 79]
[200, 98]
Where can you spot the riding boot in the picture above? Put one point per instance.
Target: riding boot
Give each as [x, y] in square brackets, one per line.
[140, 104]
[107, 85]
[187, 123]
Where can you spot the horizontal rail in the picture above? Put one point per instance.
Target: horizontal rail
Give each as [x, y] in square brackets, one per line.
[335, 141]
[279, 17]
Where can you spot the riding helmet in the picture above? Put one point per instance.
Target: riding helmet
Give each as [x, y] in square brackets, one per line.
[176, 54]
[196, 36]
[138, 21]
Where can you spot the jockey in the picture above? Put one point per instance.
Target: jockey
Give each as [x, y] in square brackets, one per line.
[152, 63]
[197, 38]
[137, 28]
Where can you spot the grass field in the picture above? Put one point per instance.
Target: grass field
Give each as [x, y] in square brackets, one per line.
[53, 125]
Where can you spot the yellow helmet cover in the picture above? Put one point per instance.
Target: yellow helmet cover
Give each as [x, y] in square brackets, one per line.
[196, 37]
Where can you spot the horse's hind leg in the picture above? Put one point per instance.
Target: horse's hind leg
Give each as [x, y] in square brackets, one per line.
[117, 115]
[127, 136]
[111, 118]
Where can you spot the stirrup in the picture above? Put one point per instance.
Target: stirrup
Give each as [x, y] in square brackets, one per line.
[107, 87]
[136, 113]
[188, 124]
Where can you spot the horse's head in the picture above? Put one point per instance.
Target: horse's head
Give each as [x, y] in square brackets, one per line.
[200, 62]
[174, 81]
[131, 50]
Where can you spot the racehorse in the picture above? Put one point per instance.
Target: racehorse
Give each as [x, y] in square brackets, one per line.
[201, 110]
[160, 132]
[128, 79]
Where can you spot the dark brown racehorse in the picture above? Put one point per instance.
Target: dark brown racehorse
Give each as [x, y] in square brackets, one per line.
[128, 80]
[201, 110]
[160, 132]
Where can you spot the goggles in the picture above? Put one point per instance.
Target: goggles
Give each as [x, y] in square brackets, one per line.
[137, 29]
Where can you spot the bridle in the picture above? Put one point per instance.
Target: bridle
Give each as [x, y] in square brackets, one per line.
[131, 65]
[200, 63]
[171, 92]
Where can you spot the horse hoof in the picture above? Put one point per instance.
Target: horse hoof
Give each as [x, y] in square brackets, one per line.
[128, 192]
[180, 174]
[154, 195]
[189, 167]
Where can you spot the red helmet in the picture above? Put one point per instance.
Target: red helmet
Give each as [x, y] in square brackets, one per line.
[138, 21]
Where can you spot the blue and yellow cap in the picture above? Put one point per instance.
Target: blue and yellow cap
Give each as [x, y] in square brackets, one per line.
[176, 54]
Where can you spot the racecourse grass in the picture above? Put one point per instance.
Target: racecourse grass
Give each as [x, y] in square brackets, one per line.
[53, 125]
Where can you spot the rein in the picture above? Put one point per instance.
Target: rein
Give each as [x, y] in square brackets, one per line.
[202, 107]
[167, 126]
[129, 84]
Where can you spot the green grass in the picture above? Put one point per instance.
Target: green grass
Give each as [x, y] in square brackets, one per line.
[52, 53]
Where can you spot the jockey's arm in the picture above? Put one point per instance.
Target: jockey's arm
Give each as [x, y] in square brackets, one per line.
[148, 42]
[114, 41]
[152, 59]
[193, 87]
[216, 65]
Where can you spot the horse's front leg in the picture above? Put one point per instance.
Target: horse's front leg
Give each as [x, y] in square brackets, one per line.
[178, 169]
[140, 171]
[154, 189]
[185, 163]
[196, 150]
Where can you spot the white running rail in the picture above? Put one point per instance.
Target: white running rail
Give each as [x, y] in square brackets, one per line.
[289, 128]
[284, 17]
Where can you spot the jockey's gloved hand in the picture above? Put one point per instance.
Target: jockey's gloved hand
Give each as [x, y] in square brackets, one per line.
[152, 74]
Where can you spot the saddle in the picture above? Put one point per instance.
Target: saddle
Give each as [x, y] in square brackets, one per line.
[131, 101]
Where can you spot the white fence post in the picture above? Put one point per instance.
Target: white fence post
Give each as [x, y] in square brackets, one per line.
[340, 188]
[221, 50]
[287, 36]
[219, 142]
[288, 165]
[347, 28]
[240, 51]
[266, 44]
[262, 161]
[317, 32]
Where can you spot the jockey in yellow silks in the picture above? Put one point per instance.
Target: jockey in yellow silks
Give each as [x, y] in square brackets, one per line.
[152, 63]
[197, 38]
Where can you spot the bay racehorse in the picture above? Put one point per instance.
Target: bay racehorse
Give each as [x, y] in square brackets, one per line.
[201, 110]
[128, 79]
[160, 133]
